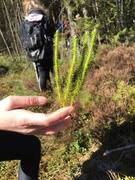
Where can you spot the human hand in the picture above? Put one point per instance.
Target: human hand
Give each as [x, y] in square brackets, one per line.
[13, 118]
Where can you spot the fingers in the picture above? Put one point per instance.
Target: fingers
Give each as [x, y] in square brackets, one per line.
[13, 102]
[27, 122]
[52, 118]
[59, 127]
[56, 128]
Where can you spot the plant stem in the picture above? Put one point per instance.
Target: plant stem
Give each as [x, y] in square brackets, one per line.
[71, 71]
[56, 66]
[85, 66]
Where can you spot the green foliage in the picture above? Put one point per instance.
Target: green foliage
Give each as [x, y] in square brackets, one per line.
[79, 144]
[84, 24]
[2, 167]
[85, 98]
[85, 65]
[127, 178]
[124, 95]
[19, 80]
[72, 87]
[56, 66]
[117, 37]
[125, 35]
[111, 17]
[68, 87]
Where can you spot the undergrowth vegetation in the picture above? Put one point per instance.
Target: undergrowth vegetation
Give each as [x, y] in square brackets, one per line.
[104, 118]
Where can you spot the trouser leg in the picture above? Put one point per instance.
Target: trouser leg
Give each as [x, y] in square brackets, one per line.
[26, 148]
[43, 75]
[43, 70]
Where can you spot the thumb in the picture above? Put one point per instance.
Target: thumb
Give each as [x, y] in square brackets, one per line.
[13, 102]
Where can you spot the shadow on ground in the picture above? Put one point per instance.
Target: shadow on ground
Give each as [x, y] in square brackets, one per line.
[3, 70]
[122, 162]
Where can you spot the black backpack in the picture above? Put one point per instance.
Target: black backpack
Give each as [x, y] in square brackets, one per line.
[35, 38]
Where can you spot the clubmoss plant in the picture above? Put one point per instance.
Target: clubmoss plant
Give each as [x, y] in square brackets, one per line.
[56, 67]
[72, 87]
[69, 84]
[83, 49]
[87, 60]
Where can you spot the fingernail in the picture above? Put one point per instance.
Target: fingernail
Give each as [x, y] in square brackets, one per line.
[68, 118]
[70, 109]
[42, 100]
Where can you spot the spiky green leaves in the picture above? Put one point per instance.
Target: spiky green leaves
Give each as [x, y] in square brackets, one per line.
[71, 89]
[56, 67]
[68, 87]
[85, 65]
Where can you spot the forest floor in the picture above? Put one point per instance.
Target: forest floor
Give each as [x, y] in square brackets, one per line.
[104, 119]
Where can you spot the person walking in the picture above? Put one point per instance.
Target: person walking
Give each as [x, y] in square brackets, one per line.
[37, 32]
